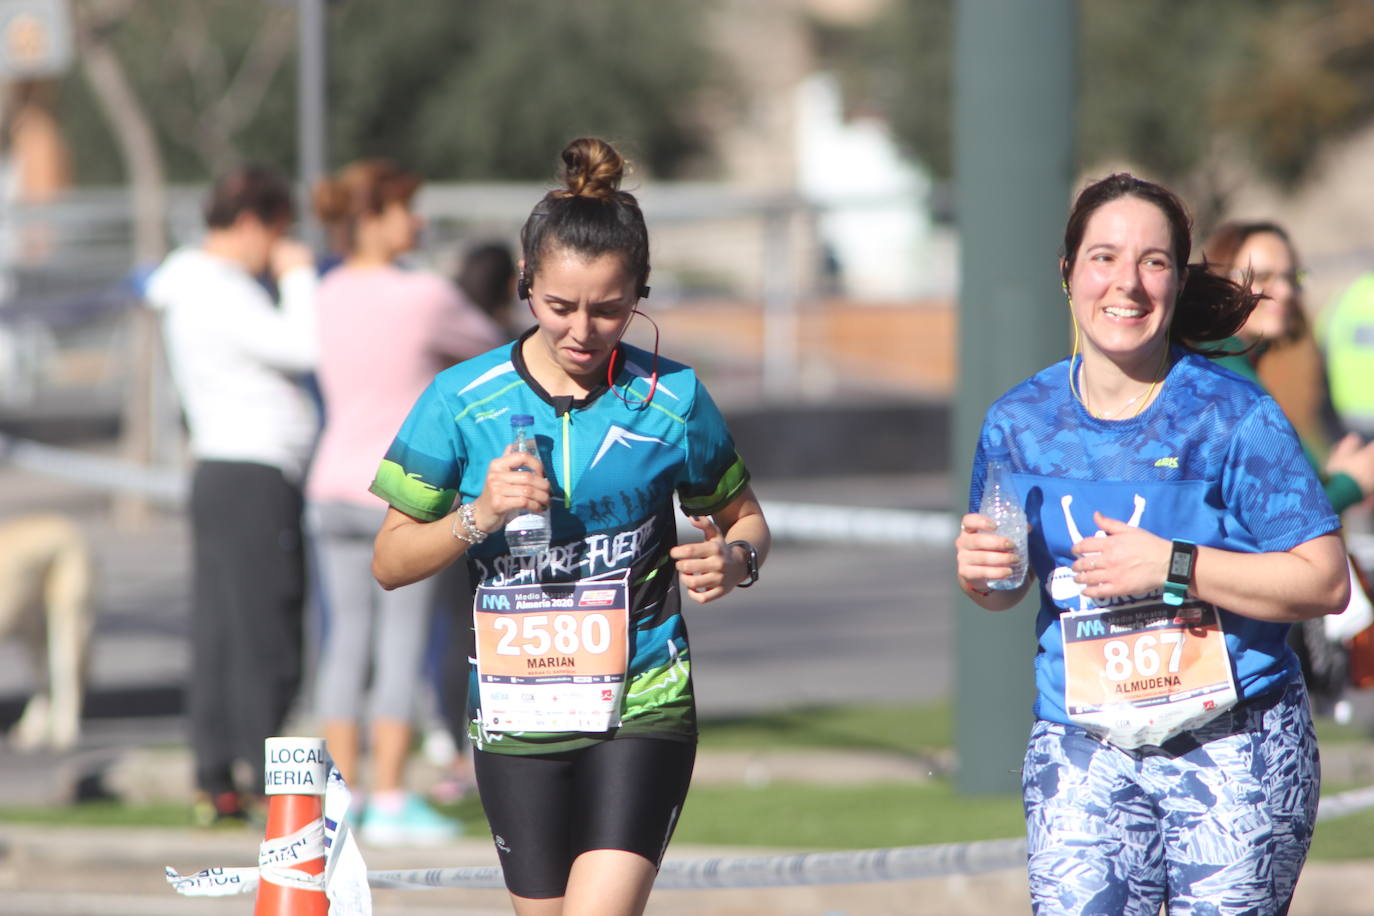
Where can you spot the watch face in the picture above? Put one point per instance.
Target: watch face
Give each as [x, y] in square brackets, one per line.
[1180, 565]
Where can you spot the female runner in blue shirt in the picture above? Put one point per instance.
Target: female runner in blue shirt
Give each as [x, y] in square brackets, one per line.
[581, 702]
[1176, 532]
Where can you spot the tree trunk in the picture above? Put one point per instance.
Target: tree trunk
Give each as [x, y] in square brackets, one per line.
[133, 131]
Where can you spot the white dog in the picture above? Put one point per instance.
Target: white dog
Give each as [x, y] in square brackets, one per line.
[45, 600]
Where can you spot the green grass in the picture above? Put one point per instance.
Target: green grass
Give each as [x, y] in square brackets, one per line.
[1330, 732]
[1344, 838]
[906, 730]
[100, 814]
[172, 814]
[844, 817]
[815, 817]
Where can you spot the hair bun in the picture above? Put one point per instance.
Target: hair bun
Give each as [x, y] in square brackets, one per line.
[591, 168]
[330, 199]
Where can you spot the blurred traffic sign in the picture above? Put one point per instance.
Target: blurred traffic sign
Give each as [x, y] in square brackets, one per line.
[35, 38]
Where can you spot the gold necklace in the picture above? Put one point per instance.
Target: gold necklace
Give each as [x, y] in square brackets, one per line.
[1110, 415]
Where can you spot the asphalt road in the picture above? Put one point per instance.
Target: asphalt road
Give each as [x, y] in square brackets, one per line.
[828, 623]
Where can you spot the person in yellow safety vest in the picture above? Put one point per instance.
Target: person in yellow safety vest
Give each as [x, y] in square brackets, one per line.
[1347, 334]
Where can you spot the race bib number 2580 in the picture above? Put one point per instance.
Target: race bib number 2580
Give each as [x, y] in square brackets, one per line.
[552, 658]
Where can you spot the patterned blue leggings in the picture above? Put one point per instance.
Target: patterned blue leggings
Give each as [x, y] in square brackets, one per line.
[1217, 822]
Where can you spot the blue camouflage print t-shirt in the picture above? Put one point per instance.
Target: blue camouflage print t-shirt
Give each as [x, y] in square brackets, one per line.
[1213, 460]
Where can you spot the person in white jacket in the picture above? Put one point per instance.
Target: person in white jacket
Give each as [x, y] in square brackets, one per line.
[238, 359]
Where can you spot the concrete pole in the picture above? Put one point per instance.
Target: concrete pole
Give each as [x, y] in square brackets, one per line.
[312, 139]
[1014, 98]
[780, 319]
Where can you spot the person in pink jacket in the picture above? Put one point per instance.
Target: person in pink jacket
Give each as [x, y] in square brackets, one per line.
[385, 330]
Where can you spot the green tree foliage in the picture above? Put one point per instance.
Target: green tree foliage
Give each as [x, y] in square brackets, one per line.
[903, 66]
[215, 77]
[494, 88]
[1179, 87]
[488, 89]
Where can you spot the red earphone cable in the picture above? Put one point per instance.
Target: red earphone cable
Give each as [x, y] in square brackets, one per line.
[653, 370]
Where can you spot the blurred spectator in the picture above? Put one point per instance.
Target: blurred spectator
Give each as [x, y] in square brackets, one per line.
[236, 358]
[35, 168]
[487, 278]
[384, 333]
[35, 147]
[1347, 332]
[1282, 352]
[1284, 359]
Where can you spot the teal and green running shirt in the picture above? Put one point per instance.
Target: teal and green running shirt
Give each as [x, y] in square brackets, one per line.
[613, 468]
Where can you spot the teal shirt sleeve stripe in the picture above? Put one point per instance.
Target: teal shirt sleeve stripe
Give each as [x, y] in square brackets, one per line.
[410, 494]
[730, 485]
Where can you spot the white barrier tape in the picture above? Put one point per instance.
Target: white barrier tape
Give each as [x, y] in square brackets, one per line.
[293, 878]
[856, 525]
[417, 879]
[345, 872]
[344, 879]
[903, 863]
[225, 882]
[859, 525]
[860, 866]
[305, 845]
[1345, 803]
[278, 856]
[107, 473]
[214, 882]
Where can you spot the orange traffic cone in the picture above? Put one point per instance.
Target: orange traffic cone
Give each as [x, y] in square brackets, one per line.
[292, 862]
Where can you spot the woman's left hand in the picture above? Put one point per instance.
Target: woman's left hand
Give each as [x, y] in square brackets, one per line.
[703, 565]
[1123, 560]
[1351, 456]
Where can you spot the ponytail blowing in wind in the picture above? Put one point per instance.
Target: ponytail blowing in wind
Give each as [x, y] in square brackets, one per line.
[1210, 307]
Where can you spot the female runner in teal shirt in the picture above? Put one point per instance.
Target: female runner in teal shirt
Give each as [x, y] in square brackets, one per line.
[582, 709]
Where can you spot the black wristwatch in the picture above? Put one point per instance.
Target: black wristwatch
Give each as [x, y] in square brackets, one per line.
[1182, 559]
[751, 561]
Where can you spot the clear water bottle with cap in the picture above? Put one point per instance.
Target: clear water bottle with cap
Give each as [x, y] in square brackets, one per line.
[527, 534]
[1002, 505]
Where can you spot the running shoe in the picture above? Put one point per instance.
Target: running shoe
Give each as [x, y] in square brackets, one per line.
[221, 808]
[416, 824]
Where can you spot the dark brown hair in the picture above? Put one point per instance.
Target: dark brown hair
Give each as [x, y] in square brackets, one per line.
[1209, 307]
[363, 188]
[589, 215]
[251, 189]
[486, 274]
[1223, 247]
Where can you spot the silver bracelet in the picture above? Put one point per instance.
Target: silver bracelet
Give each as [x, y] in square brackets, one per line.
[474, 535]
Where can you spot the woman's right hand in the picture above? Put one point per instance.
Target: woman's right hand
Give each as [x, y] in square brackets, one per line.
[981, 554]
[509, 487]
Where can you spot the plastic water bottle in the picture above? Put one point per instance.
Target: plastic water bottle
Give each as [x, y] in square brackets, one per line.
[1001, 504]
[527, 534]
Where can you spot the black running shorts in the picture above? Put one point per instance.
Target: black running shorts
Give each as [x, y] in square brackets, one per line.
[546, 810]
